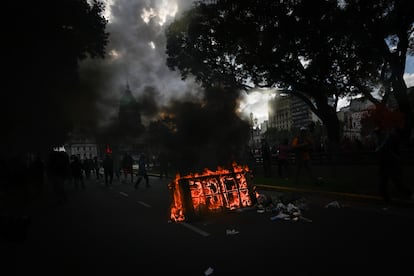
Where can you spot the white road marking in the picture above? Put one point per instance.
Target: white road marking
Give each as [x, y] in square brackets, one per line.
[124, 194]
[195, 229]
[144, 204]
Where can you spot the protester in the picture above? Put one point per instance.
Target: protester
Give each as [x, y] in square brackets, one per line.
[267, 158]
[163, 161]
[142, 171]
[96, 167]
[301, 146]
[108, 166]
[283, 158]
[127, 163]
[390, 164]
[58, 169]
[77, 170]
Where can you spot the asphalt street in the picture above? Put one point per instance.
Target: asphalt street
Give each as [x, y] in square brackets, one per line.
[124, 231]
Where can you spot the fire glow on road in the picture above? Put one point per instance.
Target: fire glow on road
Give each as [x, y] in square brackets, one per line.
[124, 194]
[195, 229]
[144, 204]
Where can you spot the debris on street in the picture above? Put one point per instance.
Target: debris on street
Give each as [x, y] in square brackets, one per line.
[232, 232]
[333, 204]
[285, 207]
[209, 271]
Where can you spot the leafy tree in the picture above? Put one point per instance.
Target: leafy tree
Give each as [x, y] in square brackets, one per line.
[380, 36]
[44, 43]
[290, 44]
[315, 49]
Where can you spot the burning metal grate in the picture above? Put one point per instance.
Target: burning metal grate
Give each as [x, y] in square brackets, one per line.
[210, 192]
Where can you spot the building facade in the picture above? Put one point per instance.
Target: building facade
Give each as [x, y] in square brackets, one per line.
[82, 145]
[287, 111]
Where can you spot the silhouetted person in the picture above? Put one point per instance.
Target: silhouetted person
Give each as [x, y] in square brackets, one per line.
[163, 160]
[58, 168]
[88, 167]
[76, 168]
[142, 171]
[127, 163]
[108, 166]
[117, 165]
[301, 145]
[390, 163]
[283, 158]
[96, 167]
[37, 172]
[267, 158]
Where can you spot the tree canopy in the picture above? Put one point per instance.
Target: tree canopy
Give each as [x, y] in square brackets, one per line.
[315, 49]
[44, 43]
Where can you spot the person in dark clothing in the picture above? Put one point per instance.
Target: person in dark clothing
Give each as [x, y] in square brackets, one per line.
[390, 164]
[301, 145]
[37, 172]
[76, 168]
[283, 158]
[108, 166]
[58, 168]
[142, 171]
[267, 158]
[127, 163]
[96, 167]
[163, 160]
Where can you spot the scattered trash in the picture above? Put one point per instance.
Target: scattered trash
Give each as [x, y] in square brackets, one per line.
[305, 219]
[209, 271]
[232, 232]
[264, 199]
[283, 207]
[333, 204]
[280, 216]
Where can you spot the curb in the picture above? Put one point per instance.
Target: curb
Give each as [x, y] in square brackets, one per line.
[359, 197]
[350, 196]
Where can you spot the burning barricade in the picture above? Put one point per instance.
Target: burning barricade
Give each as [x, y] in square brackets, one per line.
[209, 192]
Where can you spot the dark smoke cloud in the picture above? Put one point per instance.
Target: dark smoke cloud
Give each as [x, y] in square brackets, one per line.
[132, 60]
[208, 132]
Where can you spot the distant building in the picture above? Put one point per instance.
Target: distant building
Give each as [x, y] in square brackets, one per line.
[351, 117]
[82, 145]
[129, 115]
[287, 111]
[130, 125]
[280, 112]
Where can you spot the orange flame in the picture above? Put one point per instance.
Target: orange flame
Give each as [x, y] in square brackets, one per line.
[211, 191]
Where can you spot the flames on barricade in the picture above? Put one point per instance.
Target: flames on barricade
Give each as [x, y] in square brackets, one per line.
[198, 194]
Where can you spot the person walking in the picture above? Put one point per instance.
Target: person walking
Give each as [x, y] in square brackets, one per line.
[96, 167]
[267, 158]
[76, 170]
[58, 167]
[301, 146]
[142, 171]
[283, 158]
[390, 163]
[127, 163]
[108, 166]
[163, 161]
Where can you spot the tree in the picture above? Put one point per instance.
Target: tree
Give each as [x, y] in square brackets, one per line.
[381, 36]
[44, 43]
[315, 49]
[290, 44]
